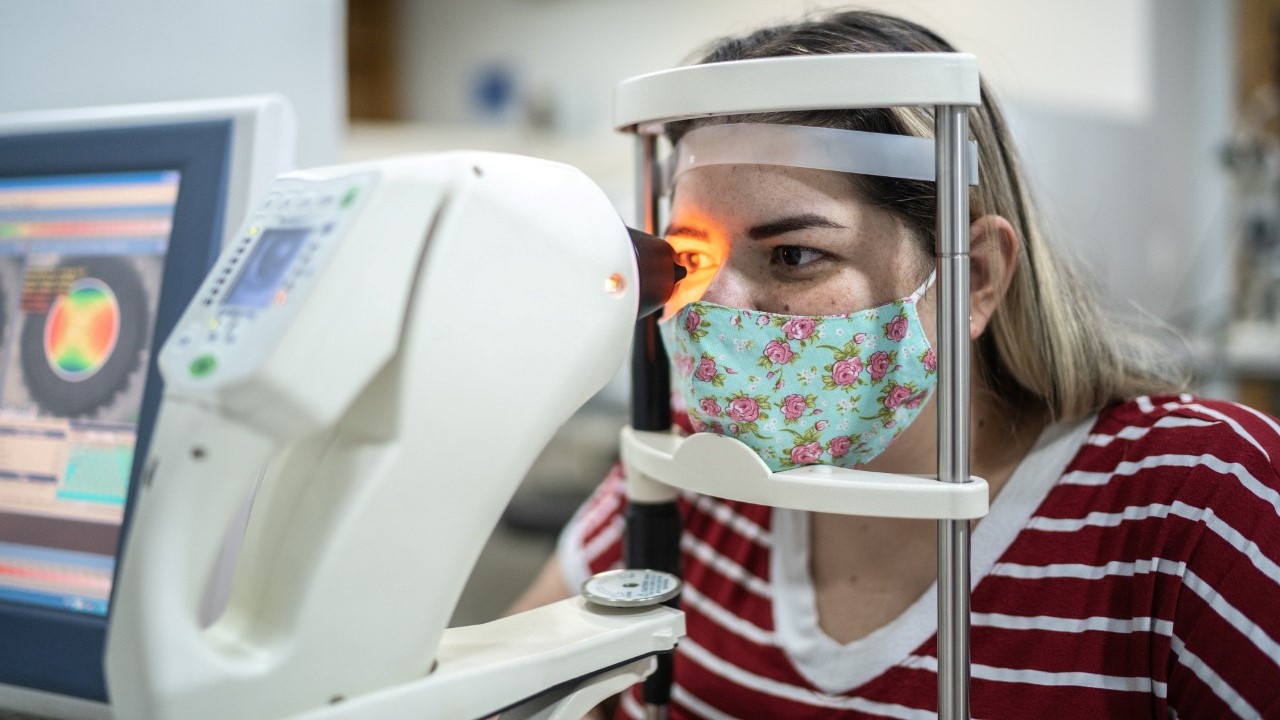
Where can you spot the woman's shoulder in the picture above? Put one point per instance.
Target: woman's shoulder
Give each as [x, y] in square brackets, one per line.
[1173, 505]
[1221, 445]
[1188, 422]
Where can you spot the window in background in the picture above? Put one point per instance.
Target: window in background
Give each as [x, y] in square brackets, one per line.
[1254, 150]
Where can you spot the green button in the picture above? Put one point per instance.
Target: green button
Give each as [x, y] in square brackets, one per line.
[203, 365]
[350, 197]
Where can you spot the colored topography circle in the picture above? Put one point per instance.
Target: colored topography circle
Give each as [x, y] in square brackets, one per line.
[81, 330]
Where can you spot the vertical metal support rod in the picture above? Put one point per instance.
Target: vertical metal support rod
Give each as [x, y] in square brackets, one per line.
[650, 375]
[952, 130]
[647, 182]
[653, 529]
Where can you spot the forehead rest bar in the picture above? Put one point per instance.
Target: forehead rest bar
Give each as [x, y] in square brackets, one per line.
[808, 82]
[819, 148]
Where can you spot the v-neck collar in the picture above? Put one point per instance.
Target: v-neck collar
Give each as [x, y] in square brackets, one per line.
[837, 668]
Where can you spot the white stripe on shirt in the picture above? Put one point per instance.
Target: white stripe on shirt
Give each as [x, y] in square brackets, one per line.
[687, 699]
[595, 513]
[604, 539]
[1212, 679]
[631, 706]
[1226, 419]
[725, 566]
[1133, 432]
[1187, 402]
[1072, 625]
[1264, 417]
[1238, 620]
[1089, 572]
[1050, 679]
[1103, 519]
[1210, 519]
[1267, 494]
[768, 686]
[739, 523]
[736, 624]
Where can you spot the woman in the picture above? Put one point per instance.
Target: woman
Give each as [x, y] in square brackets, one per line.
[1130, 564]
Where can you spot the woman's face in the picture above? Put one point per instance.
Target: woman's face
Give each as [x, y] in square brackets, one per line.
[787, 240]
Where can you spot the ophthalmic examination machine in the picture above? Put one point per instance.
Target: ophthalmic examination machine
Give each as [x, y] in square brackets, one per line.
[364, 340]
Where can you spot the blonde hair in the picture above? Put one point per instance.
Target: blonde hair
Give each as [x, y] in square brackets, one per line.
[1049, 347]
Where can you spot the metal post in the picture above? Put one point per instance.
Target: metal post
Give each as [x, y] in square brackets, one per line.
[647, 182]
[951, 125]
[650, 375]
[653, 529]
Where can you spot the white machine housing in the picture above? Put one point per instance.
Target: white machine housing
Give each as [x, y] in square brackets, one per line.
[412, 333]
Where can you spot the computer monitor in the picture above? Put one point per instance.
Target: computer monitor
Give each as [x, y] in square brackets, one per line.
[109, 220]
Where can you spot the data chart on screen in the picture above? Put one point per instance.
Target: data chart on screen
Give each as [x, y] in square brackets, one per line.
[81, 262]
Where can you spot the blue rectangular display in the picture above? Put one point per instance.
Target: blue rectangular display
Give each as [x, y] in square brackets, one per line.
[259, 280]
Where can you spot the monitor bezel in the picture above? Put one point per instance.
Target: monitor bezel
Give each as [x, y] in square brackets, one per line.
[56, 651]
[228, 150]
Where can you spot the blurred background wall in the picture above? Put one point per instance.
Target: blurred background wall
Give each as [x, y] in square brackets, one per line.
[76, 53]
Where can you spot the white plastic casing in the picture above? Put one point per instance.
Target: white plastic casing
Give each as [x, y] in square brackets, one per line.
[457, 310]
[725, 467]
[809, 82]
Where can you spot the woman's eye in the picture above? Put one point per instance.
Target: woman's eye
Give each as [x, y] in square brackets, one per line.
[695, 261]
[795, 256]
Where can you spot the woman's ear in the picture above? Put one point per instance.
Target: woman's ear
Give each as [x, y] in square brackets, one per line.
[993, 255]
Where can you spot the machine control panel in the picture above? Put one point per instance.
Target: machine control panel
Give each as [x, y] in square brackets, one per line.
[264, 271]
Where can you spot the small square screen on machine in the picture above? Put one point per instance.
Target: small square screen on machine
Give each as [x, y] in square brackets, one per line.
[266, 266]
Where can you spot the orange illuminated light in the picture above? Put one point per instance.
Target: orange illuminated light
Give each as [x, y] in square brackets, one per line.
[701, 255]
[615, 284]
[281, 297]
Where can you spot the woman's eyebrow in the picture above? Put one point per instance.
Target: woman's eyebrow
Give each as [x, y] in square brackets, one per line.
[685, 231]
[791, 224]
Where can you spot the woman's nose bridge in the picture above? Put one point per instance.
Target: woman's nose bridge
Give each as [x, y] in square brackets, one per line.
[728, 287]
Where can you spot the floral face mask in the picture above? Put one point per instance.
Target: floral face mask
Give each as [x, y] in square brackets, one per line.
[803, 390]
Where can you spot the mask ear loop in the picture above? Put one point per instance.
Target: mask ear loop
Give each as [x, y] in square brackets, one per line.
[920, 291]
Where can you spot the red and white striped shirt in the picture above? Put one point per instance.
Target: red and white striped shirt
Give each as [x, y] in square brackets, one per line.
[1129, 568]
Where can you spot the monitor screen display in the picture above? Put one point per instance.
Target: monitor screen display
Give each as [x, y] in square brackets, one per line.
[110, 218]
[81, 262]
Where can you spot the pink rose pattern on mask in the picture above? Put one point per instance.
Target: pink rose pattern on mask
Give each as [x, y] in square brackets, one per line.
[801, 390]
[778, 352]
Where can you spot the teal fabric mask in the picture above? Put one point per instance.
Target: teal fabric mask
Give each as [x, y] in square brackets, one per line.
[803, 390]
